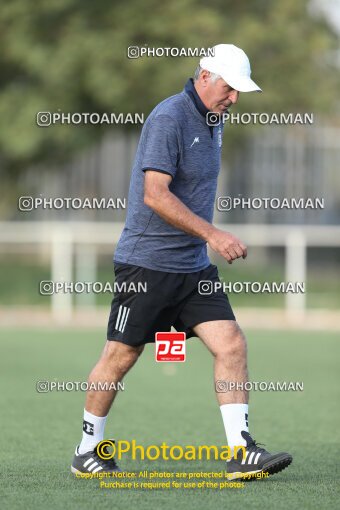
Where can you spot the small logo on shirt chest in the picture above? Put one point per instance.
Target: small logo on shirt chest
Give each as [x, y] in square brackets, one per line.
[196, 140]
[219, 137]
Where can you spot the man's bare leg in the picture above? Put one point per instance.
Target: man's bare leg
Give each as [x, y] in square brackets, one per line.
[227, 344]
[116, 360]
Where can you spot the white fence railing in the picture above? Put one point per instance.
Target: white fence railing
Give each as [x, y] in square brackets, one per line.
[79, 241]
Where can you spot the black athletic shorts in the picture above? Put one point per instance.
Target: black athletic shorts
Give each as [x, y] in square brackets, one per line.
[164, 300]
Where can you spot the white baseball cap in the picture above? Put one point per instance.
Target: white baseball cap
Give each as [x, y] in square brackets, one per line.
[233, 65]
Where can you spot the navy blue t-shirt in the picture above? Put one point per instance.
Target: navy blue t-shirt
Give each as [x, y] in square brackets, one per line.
[175, 139]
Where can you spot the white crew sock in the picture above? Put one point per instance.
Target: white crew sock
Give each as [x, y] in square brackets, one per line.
[235, 419]
[93, 431]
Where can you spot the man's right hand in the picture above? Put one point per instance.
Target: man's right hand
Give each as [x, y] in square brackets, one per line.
[159, 198]
[227, 245]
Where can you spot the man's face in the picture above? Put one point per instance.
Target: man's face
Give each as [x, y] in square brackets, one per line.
[221, 96]
[217, 95]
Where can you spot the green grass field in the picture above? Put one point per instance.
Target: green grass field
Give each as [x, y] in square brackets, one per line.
[175, 404]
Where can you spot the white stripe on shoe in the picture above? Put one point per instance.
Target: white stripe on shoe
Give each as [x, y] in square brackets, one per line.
[245, 458]
[97, 469]
[88, 462]
[257, 458]
[251, 456]
[92, 466]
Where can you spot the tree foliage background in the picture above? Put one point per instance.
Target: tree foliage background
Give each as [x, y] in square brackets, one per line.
[72, 55]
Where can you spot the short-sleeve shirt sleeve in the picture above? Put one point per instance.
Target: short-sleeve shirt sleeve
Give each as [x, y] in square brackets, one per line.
[162, 147]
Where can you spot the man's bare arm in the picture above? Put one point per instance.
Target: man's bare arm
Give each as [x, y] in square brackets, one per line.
[159, 198]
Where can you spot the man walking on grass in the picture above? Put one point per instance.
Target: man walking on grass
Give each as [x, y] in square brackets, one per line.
[164, 244]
